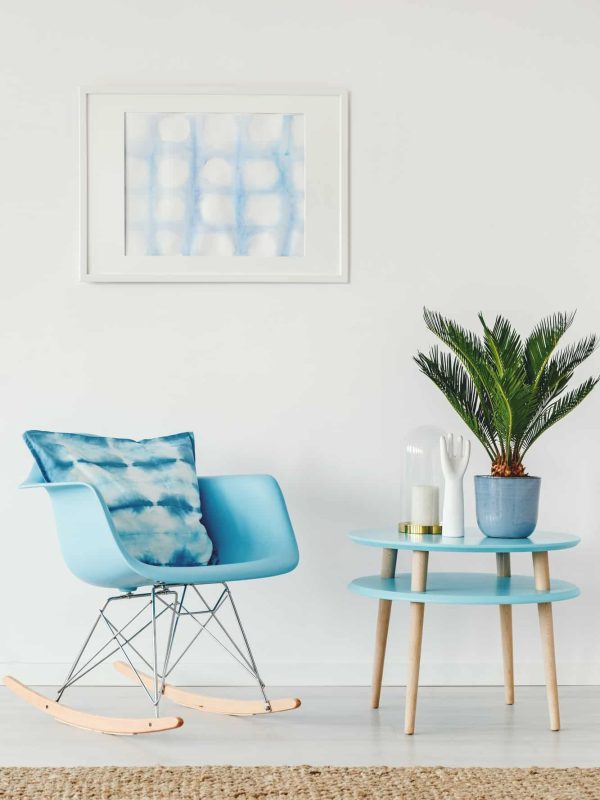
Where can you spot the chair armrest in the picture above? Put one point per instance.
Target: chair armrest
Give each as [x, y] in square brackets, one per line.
[247, 520]
[88, 541]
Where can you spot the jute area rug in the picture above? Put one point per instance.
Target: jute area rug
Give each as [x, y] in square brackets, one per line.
[298, 783]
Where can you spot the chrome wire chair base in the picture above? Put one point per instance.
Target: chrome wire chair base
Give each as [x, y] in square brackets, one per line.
[160, 601]
[175, 604]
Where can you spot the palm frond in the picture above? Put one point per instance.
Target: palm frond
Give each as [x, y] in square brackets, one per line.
[542, 341]
[556, 411]
[448, 374]
[466, 345]
[503, 345]
[562, 365]
[511, 394]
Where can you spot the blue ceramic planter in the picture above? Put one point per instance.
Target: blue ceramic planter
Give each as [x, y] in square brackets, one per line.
[507, 508]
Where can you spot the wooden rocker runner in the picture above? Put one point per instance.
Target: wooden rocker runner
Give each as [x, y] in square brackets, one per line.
[247, 520]
[119, 726]
[212, 705]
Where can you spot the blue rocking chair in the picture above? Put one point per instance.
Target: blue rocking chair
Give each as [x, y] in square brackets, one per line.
[247, 520]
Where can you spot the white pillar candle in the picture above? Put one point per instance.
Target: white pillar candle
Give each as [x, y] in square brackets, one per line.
[424, 505]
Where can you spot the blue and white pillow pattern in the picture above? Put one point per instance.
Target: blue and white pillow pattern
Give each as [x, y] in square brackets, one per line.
[150, 488]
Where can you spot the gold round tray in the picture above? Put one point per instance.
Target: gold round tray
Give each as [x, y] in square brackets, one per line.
[409, 527]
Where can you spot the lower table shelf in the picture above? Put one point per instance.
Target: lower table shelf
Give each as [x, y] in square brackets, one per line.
[464, 588]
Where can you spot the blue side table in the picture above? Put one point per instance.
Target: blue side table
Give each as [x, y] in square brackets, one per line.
[464, 588]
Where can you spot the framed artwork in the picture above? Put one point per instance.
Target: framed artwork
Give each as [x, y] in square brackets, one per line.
[214, 184]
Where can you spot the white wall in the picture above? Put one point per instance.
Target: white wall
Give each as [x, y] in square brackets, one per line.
[475, 184]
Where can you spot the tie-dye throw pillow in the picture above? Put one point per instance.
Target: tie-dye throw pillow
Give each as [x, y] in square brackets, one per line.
[150, 488]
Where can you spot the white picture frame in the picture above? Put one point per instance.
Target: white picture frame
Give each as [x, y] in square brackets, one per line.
[105, 255]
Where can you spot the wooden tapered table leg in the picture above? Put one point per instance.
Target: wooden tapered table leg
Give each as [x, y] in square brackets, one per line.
[541, 572]
[418, 583]
[388, 570]
[503, 571]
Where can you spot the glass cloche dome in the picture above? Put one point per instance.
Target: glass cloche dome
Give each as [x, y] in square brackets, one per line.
[422, 481]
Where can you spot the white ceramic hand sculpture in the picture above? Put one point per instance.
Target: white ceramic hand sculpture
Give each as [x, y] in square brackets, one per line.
[455, 457]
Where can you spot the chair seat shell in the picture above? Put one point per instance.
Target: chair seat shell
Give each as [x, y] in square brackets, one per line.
[245, 516]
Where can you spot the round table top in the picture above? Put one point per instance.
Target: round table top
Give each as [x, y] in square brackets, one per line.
[473, 541]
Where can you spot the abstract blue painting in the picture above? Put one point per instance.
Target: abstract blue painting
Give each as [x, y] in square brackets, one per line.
[214, 184]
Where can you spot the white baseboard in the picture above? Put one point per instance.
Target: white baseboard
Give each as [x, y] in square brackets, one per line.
[316, 674]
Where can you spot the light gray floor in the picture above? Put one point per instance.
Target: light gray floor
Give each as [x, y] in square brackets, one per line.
[455, 726]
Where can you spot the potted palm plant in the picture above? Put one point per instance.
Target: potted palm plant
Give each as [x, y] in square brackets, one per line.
[509, 392]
